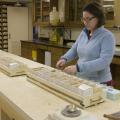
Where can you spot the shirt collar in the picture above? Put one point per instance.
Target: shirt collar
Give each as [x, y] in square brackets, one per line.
[95, 32]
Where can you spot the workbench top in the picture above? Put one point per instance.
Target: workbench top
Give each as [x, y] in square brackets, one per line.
[34, 103]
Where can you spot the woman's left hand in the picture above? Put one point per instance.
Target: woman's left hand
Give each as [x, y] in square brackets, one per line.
[71, 69]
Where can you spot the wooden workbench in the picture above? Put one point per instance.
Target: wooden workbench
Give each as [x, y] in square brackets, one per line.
[22, 100]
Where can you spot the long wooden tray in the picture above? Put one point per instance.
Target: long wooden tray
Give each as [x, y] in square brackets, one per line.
[66, 85]
[12, 67]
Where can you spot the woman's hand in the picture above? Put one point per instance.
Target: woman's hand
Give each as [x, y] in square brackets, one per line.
[60, 64]
[71, 69]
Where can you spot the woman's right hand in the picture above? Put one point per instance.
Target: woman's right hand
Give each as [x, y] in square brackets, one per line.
[60, 64]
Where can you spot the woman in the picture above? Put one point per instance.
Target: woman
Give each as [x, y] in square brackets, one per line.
[94, 48]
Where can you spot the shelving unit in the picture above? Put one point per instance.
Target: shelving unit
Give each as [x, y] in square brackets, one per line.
[117, 12]
[41, 10]
[45, 9]
[108, 6]
[73, 12]
[3, 27]
[37, 9]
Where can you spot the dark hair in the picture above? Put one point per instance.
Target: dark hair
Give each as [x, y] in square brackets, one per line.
[96, 9]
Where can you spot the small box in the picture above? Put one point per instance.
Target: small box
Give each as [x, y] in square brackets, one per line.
[13, 65]
[86, 90]
[113, 94]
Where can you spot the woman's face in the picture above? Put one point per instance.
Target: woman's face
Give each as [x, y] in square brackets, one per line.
[90, 21]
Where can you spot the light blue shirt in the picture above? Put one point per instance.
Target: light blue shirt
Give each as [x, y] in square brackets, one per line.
[94, 54]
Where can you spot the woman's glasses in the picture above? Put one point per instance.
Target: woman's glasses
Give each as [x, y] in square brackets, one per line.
[87, 19]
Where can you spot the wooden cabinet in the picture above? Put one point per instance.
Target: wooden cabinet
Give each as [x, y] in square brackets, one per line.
[37, 9]
[41, 53]
[73, 12]
[41, 10]
[112, 8]
[117, 12]
[26, 50]
[56, 52]
[115, 69]
[109, 12]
